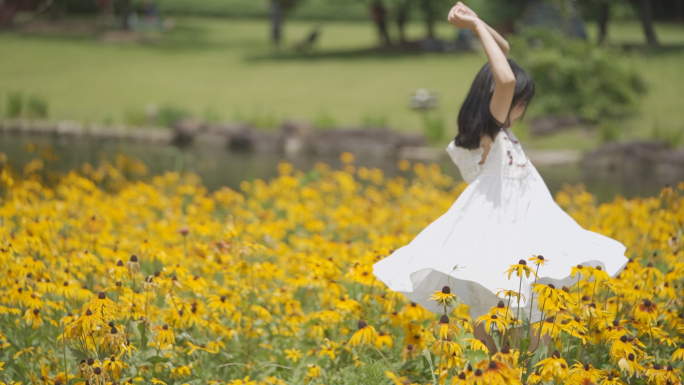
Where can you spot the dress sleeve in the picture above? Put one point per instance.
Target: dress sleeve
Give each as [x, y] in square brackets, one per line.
[466, 160]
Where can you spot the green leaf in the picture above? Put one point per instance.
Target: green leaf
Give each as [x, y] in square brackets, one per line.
[143, 335]
[78, 354]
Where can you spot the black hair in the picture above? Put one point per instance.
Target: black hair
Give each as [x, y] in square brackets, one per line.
[475, 118]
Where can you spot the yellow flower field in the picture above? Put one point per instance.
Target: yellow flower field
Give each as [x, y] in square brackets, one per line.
[108, 276]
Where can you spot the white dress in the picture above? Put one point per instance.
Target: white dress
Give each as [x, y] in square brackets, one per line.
[505, 214]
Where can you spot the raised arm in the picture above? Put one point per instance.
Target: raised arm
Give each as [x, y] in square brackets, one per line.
[504, 79]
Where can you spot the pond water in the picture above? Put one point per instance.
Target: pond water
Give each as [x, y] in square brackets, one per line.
[218, 167]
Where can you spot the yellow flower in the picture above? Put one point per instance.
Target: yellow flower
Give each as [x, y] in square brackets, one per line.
[164, 336]
[630, 365]
[244, 381]
[202, 347]
[366, 335]
[554, 366]
[489, 319]
[583, 271]
[103, 307]
[444, 297]
[647, 312]
[538, 260]
[293, 354]
[313, 371]
[520, 268]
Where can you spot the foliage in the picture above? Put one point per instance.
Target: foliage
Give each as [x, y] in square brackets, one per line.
[14, 105]
[32, 107]
[374, 120]
[161, 280]
[168, 115]
[325, 119]
[672, 136]
[434, 127]
[609, 130]
[36, 107]
[577, 77]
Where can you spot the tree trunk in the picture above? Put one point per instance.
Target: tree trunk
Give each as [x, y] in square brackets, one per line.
[604, 11]
[403, 10]
[125, 13]
[429, 18]
[378, 13]
[276, 22]
[645, 11]
[54, 9]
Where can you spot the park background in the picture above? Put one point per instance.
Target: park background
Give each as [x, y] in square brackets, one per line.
[185, 201]
[612, 74]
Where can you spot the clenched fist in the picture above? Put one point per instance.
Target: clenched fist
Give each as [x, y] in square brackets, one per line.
[462, 17]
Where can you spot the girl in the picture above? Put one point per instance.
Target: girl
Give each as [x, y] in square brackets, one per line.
[505, 216]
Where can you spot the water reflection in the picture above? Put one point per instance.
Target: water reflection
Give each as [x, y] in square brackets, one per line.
[218, 167]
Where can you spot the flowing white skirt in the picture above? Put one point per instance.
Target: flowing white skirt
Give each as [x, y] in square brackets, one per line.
[494, 223]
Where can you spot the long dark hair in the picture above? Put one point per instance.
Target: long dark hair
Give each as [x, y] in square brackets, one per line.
[475, 118]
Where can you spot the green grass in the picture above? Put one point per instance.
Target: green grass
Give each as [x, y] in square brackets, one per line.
[224, 68]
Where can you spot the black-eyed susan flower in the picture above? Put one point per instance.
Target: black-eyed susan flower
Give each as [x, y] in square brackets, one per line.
[647, 312]
[133, 266]
[103, 307]
[293, 354]
[312, 371]
[114, 366]
[630, 364]
[549, 327]
[366, 335]
[555, 366]
[384, 339]
[409, 352]
[507, 356]
[164, 336]
[581, 271]
[492, 319]
[444, 297]
[396, 380]
[495, 372]
[33, 318]
[445, 328]
[477, 345]
[538, 260]
[202, 347]
[84, 325]
[520, 269]
[584, 373]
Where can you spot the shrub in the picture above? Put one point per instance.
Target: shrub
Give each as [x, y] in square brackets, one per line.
[576, 77]
[325, 120]
[672, 137]
[36, 107]
[434, 128]
[168, 115]
[14, 105]
[373, 120]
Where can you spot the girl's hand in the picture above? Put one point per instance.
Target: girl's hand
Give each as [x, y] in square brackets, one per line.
[462, 17]
[468, 11]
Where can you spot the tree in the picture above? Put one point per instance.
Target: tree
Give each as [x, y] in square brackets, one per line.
[645, 11]
[402, 10]
[278, 9]
[379, 13]
[643, 8]
[125, 14]
[430, 9]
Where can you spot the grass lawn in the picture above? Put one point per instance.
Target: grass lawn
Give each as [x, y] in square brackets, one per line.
[224, 69]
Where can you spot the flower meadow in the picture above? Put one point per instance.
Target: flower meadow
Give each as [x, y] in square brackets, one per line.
[110, 276]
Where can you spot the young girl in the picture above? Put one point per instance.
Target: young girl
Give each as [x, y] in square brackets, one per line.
[505, 215]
